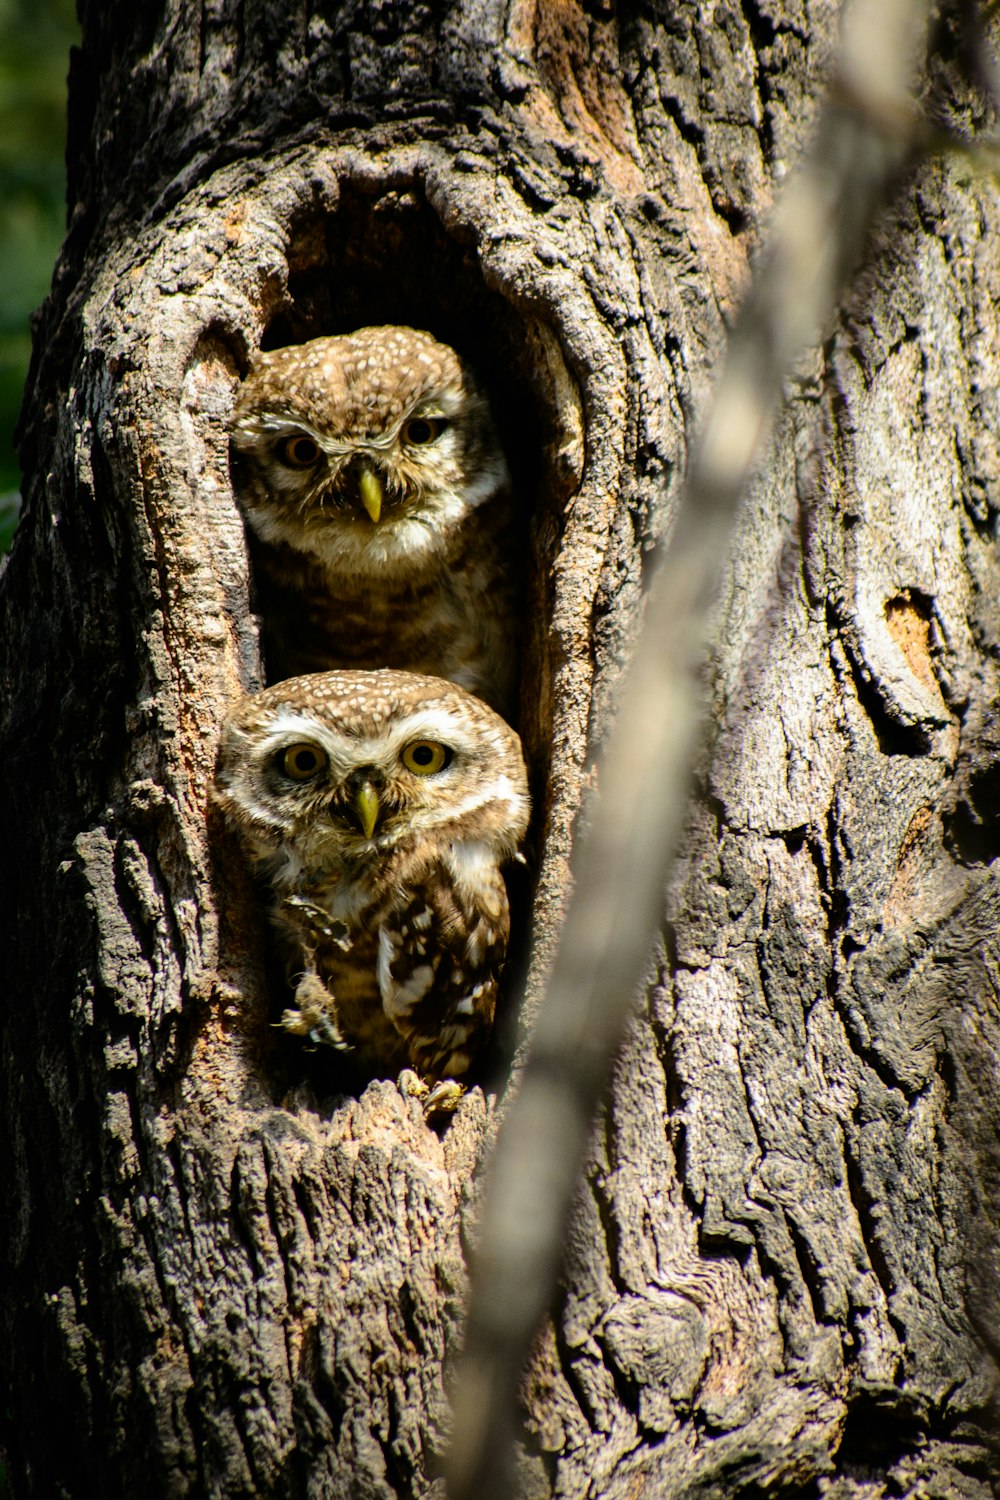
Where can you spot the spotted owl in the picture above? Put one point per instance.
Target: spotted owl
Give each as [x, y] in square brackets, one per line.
[379, 807]
[379, 499]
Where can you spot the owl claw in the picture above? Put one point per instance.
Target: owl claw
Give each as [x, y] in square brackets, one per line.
[442, 1098]
[411, 1085]
[313, 1019]
[317, 1029]
[318, 921]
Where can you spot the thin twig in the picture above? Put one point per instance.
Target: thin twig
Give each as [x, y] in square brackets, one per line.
[865, 138]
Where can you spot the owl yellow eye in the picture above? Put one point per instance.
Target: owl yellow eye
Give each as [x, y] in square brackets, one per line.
[421, 430]
[298, 451]
[424, 757]
[301, 762]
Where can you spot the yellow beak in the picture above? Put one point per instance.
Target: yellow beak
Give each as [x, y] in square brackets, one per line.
[366, 805]
[370, 486]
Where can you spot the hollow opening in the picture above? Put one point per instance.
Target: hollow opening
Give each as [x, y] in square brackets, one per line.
[386, 258]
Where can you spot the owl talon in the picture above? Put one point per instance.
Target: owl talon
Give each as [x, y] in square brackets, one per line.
[313, 1019]
[319, 923]
[444, 1098]
[411, 1085]
[441, 1098]
[316, 1029]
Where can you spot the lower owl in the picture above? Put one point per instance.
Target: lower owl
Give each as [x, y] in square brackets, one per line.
[380, 808]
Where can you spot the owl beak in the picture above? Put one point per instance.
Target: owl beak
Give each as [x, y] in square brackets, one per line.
[370, 487]
[367, 807]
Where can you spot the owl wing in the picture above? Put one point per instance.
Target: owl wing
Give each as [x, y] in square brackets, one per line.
[441, 953]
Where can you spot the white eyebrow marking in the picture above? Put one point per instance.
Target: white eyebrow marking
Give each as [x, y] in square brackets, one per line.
[287, 722]
[287, 726]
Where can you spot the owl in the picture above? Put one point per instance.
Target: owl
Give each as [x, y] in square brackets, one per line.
[379, 808]
[379, 501]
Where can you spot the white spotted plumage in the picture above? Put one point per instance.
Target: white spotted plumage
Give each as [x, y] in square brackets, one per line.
[385, 875]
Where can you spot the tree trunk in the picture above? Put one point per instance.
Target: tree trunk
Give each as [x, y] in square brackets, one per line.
[226, 1278]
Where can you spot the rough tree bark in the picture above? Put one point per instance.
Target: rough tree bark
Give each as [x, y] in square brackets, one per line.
[224, 1276]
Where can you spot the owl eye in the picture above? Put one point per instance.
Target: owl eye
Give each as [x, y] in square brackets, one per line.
[425, 757]
[298, 451]
[301, 762]
[422, 430]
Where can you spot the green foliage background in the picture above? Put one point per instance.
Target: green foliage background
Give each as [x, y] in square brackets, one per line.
[35, 38]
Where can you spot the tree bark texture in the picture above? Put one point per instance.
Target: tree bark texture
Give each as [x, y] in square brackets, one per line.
[225, 1275]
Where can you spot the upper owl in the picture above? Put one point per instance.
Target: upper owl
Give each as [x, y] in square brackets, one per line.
[370, 470]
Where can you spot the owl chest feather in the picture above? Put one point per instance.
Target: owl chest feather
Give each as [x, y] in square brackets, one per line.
[449, 612]
[412, 972]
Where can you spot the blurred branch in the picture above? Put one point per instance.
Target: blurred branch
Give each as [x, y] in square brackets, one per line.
[869, 132]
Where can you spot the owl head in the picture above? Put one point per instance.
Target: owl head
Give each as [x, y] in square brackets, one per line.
[365, 450]
[338, 770]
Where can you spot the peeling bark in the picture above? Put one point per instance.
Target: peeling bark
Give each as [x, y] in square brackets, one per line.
[226, 1275]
